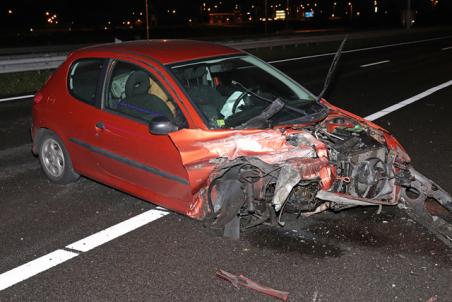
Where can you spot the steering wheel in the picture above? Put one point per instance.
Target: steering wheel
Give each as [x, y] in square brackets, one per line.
[237, 101]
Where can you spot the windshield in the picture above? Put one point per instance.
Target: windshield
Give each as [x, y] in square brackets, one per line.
[231, 91]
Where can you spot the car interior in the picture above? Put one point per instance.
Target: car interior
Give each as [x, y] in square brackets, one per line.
[133, 92]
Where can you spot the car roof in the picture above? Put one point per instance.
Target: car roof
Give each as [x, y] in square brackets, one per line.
[165, 51]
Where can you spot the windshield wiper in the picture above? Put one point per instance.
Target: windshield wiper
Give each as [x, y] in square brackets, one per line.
[262, 120]
[301, 111]
[332, 69]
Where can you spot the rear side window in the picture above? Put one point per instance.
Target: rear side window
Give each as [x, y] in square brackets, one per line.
[84, 77]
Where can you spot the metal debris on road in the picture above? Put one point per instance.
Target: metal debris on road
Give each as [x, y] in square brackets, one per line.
[244, 281]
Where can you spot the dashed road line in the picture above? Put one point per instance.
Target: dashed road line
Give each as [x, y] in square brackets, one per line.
[34, 267]
[46, 262]
[358, 50]
[116, 231]
[375, 63]
[446, 48]
[406, 102]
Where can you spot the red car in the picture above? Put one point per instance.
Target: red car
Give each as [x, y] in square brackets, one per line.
[214, 133]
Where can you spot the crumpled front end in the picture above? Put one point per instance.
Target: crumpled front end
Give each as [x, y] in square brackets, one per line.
[265, 164]
[254, 176]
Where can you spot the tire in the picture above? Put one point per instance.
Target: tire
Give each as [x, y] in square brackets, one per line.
[55, 161]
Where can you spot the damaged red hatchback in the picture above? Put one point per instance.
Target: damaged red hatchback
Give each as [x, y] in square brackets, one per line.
[216, 134]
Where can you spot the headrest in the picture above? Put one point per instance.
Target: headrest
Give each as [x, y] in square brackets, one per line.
[194, 73]
[137, 83]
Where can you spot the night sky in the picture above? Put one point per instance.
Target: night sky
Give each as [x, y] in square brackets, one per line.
[83, 13]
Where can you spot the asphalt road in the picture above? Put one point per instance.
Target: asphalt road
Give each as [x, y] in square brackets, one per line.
[354, 255]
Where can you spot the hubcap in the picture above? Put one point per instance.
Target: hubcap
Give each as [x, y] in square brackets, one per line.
[52, 157]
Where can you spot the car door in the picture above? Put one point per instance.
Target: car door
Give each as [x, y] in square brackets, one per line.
[81, 111]
[131, 157]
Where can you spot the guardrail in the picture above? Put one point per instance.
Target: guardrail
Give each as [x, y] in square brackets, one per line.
[30, 63]
[20, 63]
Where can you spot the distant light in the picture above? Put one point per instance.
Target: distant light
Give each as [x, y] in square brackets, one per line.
[105, 27]
[309, 14]
[32, 30]
[174, 11]
[128, 22]
[47, 13]
[358, 13]
[376, 9]
[10, 11]
[190, 20]
[280, 15]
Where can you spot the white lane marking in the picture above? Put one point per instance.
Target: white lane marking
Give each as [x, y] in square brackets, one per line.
[17, 98]
[358, 50]
[406, 102]
[446, 48]
[34, 267]
[375, 63]
[116, 231]
[41, 264]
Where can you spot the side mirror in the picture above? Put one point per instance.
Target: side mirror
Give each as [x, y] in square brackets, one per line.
[161, 125]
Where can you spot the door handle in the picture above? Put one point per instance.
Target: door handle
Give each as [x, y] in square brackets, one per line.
[100, 126]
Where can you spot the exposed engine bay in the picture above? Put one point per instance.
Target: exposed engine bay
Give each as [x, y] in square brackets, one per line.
[340, 163]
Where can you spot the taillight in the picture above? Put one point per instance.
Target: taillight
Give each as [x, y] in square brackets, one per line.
[38, 98]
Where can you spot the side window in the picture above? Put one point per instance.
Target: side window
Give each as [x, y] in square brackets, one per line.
[134, 92]
[84, 78]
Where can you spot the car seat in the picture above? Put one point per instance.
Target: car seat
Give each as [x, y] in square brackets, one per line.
[138, 102]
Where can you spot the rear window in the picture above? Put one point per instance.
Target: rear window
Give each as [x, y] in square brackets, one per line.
[84, 78]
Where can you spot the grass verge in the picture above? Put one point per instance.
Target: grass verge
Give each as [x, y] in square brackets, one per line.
[20, 83]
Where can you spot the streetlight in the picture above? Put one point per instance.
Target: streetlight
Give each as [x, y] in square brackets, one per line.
[147, 20]
[408, 14]
[266, 17]
[287, 14]
[351, 10]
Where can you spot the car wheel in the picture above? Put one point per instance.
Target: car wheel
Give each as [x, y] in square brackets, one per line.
[55, 160]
